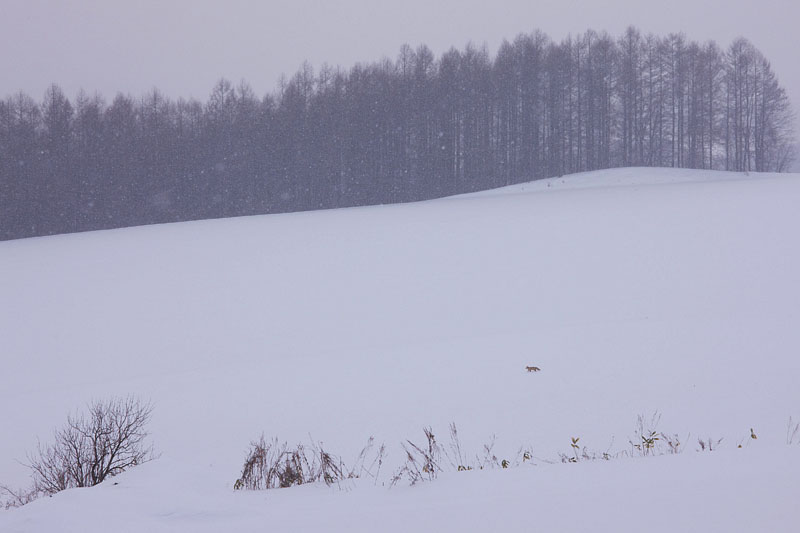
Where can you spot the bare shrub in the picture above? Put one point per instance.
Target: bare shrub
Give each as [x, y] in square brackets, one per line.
[673, 443]
[361, 468]
[422, 461]
[94, 446]
[488, 459]
[260, 467]
[17, 498]
[272, 464]
[458, 460]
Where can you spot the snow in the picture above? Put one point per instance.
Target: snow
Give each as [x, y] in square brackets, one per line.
[719, 491]
[620, 177]
[634, 290]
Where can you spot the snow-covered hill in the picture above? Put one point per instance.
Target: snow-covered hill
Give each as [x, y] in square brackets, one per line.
[634, 290]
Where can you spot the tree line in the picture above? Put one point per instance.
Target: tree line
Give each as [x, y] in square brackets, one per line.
[390, 131]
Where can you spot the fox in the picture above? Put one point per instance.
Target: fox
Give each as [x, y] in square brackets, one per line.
[532, 368]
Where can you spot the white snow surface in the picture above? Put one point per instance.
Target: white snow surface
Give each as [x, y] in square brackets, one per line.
[634, 290]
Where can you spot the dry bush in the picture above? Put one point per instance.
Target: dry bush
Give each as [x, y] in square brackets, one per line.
[94, 446]
[424, 462]
[271, 464]
[673, 443]
[16, 498]
[369, 461]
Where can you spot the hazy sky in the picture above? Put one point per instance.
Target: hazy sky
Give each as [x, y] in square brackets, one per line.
[184, 46]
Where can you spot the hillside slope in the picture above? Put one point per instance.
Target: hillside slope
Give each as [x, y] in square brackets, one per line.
[634, 290]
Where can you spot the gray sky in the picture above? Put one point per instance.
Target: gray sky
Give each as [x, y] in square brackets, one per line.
[184, 46]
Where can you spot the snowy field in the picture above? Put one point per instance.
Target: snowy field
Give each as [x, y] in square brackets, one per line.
[636, 291]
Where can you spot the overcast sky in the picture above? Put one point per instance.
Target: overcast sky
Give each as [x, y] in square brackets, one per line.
[184, 46]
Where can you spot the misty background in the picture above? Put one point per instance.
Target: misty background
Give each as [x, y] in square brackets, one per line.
[184, 47]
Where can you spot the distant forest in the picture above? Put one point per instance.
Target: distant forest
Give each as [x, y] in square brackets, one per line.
[414, 128]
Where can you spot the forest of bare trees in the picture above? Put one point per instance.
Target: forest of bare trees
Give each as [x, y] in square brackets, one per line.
[413, 128]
